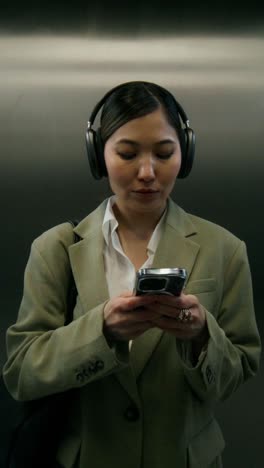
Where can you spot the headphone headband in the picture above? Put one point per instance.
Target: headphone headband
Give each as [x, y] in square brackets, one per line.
[102, 101]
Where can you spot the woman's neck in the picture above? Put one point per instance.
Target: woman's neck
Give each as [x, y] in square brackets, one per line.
[141, 225]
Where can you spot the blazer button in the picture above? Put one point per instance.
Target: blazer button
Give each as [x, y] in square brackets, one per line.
[92, 367]
[99, 364]
[132, 413]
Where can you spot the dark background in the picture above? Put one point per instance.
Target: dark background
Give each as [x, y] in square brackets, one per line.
[57, 60]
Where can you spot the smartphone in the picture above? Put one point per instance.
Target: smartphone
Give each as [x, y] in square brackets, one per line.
[170, 281]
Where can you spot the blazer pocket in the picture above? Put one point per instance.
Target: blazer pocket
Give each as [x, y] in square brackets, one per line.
[206, 446]
[201, 286]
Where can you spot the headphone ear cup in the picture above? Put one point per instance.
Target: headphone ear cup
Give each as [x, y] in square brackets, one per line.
[100, 153]
[95, 153]
[188, 150]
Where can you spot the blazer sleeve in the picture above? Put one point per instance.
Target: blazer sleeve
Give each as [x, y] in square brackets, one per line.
[233, 350]
[44, 356]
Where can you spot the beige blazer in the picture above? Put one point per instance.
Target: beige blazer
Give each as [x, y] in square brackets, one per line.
[149, 408]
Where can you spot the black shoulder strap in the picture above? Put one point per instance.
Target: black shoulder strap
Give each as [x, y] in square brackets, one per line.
[72, 291]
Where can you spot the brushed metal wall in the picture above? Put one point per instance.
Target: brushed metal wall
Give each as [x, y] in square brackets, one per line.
[48, 86]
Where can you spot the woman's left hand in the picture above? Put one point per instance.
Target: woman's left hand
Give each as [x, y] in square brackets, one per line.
[182, 316]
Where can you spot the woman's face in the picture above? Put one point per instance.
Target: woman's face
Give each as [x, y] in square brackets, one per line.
[143, 159]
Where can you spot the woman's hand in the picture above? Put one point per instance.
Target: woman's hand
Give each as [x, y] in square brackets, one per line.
[127, 316]
[182, 316]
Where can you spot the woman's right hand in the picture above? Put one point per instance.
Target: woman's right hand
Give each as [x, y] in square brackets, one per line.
[125, 317]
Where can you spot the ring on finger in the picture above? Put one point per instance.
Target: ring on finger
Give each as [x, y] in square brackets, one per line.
[185, 315]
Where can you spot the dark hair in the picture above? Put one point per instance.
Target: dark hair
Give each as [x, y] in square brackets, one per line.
[136, 99]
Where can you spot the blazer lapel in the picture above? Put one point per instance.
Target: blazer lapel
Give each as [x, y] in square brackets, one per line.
[86, 257]
[176, 249]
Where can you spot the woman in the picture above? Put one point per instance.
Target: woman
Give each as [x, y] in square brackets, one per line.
[148, 369]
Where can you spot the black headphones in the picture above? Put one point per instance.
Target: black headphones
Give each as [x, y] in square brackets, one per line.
[95, 145]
